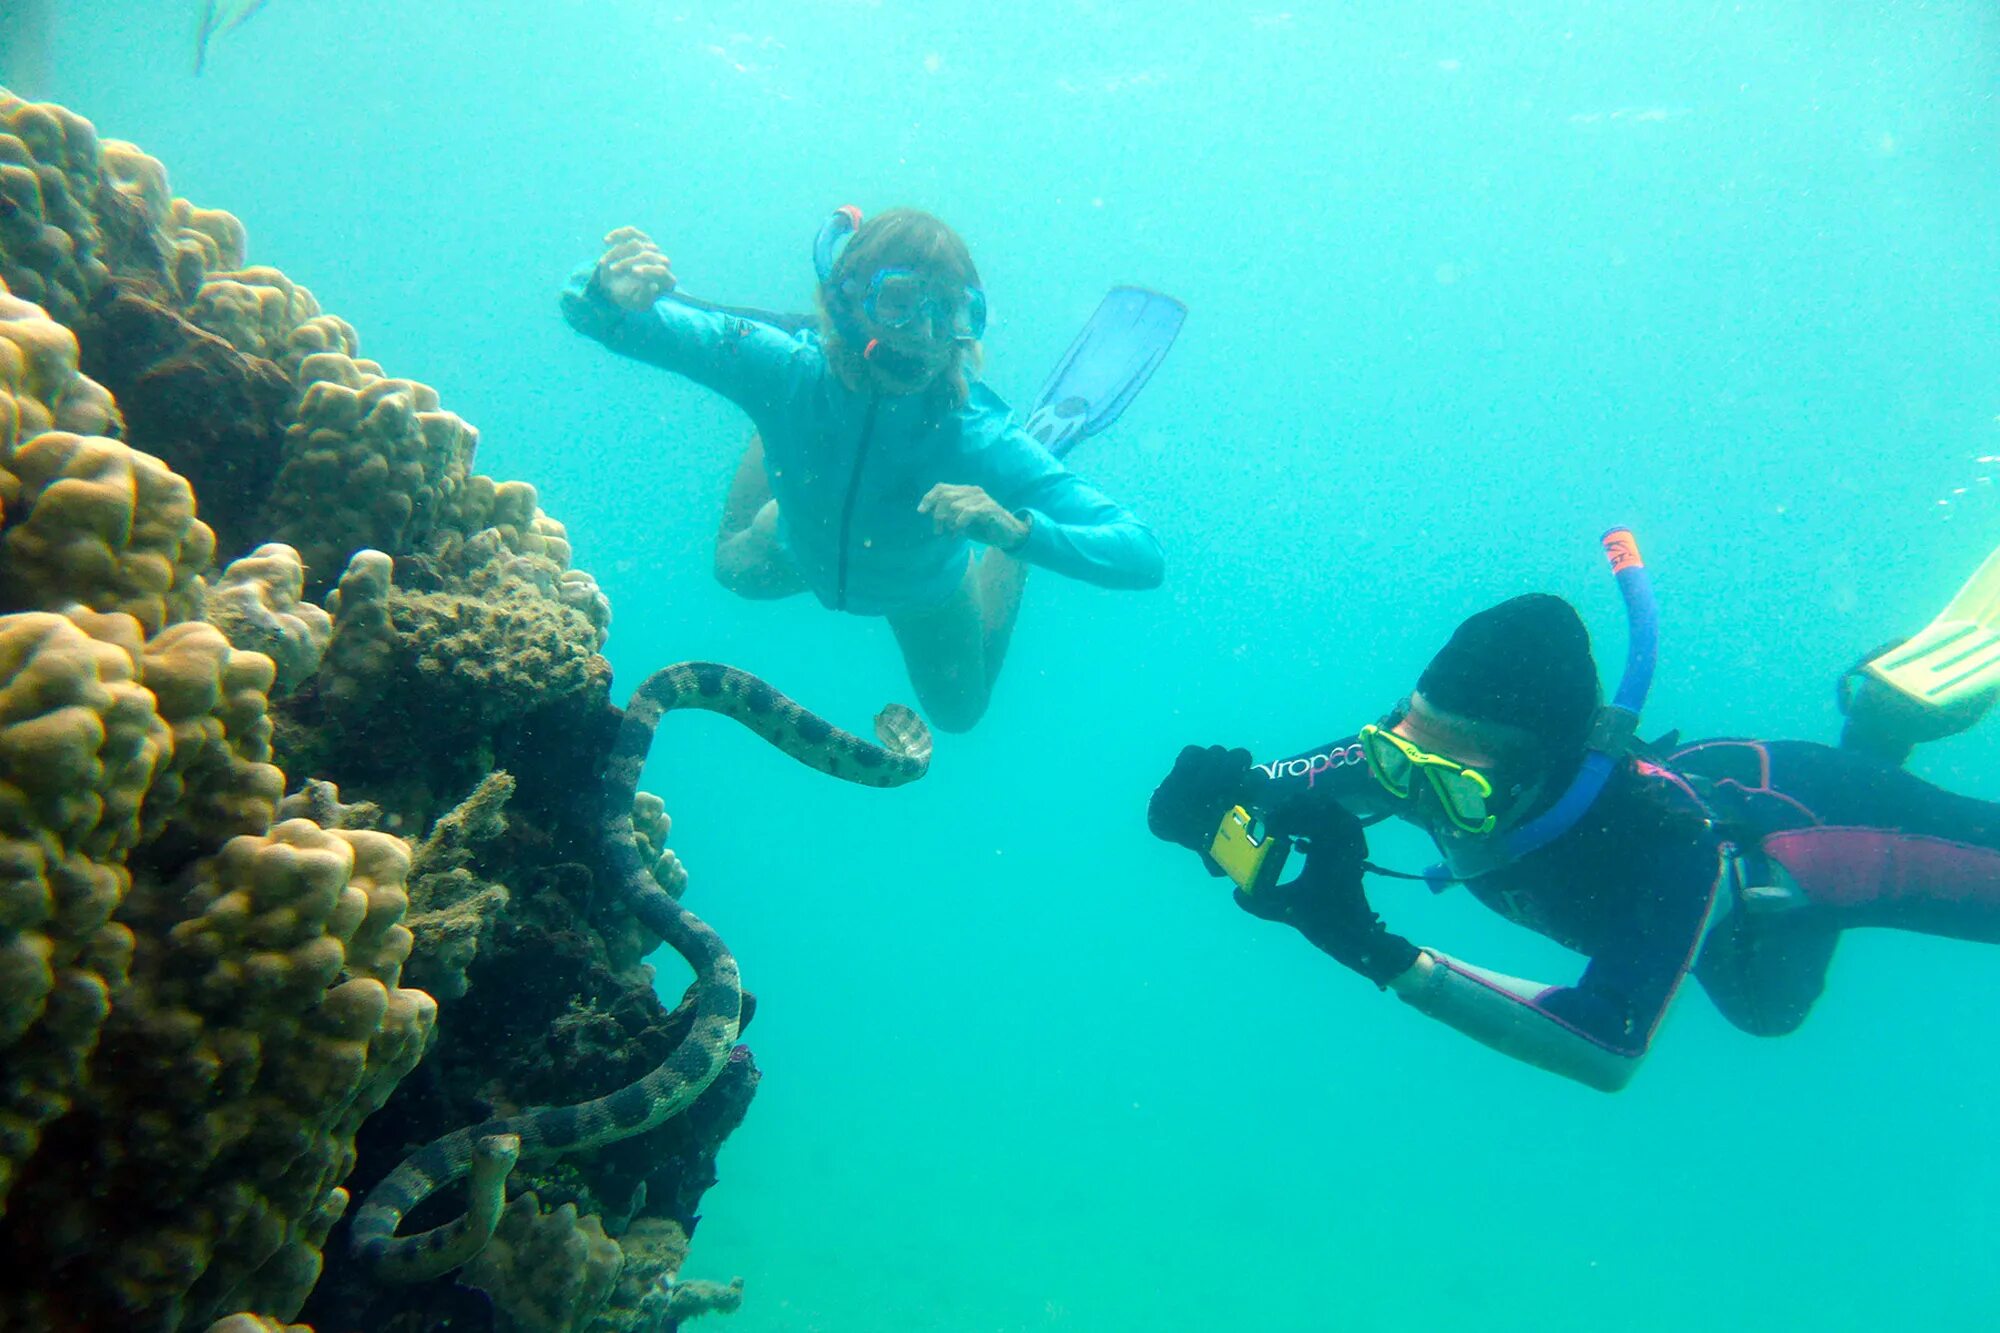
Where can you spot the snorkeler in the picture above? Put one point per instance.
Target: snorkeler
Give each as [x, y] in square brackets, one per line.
[1741, 861]
[879, 459]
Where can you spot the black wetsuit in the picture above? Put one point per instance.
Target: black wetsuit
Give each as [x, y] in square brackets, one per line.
[1651, 883]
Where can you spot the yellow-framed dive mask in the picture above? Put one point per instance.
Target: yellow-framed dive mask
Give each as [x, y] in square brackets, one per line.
[1462, 793]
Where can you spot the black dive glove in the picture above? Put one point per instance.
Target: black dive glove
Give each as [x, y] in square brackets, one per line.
[1326, 903]
[1190, 802]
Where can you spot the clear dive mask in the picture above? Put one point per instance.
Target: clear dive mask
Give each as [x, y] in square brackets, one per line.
[900, 298]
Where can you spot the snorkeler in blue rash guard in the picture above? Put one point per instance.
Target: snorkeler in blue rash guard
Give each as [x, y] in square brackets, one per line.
[1741, 861]
[879, 459]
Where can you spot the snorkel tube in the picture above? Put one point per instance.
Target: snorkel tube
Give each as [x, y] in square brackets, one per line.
[1611, 730]
[833, 236]
[833, 233]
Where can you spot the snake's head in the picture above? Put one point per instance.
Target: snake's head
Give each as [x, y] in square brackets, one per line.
[495, 1155]
[904, 735]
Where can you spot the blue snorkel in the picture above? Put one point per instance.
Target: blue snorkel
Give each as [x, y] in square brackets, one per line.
[1612, 729]
[834, 234]
[842, 299]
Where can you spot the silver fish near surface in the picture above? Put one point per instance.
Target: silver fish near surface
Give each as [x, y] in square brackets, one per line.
[25, 30]
[218, 17]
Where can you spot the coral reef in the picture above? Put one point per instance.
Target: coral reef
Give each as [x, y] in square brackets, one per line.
[261, 1023]
[454, 909]
[547, 1272]
[79, 743]
[224, 1009]
[256, 604]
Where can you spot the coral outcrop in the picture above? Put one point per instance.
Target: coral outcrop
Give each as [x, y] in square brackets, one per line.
[261, 1023]
[79, 745]
[225, 1009]
[257, 604]
[547, 1272]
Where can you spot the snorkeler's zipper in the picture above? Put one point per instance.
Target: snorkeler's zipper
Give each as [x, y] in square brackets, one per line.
[847, 505]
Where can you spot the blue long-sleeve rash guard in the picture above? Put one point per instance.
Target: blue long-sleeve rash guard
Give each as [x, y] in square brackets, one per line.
[848, 469]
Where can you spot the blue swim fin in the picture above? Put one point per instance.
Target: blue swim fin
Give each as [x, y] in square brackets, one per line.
[1105, 367]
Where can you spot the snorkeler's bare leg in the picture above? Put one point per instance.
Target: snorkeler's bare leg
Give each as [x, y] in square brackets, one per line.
[944, 648]
[750, 561]
[998, 582]
[749, 489]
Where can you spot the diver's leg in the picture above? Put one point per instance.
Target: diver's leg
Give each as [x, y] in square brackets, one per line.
[998, 581]
[1764, 971]
[750, 561]
[1885, 848]
[1891, 878]
[1886, 724]
[944, 648]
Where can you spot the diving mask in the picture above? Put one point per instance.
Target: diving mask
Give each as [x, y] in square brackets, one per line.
[1462, 792]
[897, 298]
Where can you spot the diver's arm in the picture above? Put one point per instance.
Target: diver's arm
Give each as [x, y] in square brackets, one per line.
[1595, 1032]
[1519, 1019]
[1188, 805]
[1598, 1030]
[742, 359]
[1335, 771]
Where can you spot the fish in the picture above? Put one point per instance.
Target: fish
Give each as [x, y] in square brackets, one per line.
[25, 27]
[218, 17]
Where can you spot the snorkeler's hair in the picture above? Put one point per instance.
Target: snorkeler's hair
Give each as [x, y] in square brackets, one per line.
[902, 238]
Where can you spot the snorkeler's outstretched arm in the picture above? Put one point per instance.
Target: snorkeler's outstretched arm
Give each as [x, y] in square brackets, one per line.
[749, 362]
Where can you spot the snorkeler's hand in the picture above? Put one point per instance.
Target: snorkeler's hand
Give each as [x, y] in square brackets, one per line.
[633, 272]
[972, 512]
[1190, 802]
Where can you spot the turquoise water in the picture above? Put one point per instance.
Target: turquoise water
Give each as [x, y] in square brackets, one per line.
[1468, 283]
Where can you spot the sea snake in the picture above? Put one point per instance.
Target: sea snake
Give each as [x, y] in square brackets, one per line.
[487, 1152]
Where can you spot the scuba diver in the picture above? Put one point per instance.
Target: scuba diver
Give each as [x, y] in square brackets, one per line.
[879, 459]
[1740, 861]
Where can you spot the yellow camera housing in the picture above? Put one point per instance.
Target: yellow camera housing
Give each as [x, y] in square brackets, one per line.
[1246, 853]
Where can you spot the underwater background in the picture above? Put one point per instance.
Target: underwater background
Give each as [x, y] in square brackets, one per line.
[1468, 283]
